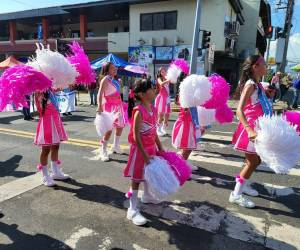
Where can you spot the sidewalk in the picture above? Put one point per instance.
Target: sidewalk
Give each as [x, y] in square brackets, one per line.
[83, 99]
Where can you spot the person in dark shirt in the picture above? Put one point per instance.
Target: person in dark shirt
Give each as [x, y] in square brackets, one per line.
[296, 86]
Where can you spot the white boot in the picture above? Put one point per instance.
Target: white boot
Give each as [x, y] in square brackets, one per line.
[46, 179]
[103, 152]
[116, 147]
[159, 130]
[57, 173]
[163, 129]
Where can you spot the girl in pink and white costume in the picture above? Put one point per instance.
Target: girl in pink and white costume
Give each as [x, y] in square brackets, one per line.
[163, 102]
[144, 144]
[50, 132]
[184, 130]
[109, 100]
[251, 106]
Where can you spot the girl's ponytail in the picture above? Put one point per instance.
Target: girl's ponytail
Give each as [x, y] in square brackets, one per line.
[246, 73]
[131, 103]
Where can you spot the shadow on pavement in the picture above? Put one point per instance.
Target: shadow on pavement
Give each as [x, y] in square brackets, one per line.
[20, 240]
[8, 167]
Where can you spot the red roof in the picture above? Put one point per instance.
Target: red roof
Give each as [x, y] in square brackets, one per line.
[9, 62]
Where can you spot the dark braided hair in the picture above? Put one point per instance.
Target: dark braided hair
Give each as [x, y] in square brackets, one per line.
[246, 73]
[179, 80]
[44, 101]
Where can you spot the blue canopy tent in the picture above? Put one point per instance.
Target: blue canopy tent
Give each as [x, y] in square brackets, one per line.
[117, 61]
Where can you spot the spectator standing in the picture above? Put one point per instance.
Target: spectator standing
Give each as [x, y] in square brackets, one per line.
[296, 88]
[93, 90]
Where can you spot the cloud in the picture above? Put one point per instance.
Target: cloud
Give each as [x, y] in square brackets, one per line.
[293, 50]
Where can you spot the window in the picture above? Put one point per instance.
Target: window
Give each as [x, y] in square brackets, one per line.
[158, 21]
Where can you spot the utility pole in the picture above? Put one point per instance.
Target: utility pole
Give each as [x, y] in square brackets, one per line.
[193, 68]
[286, 31]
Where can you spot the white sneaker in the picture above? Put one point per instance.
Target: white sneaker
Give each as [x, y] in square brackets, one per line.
[116, 149]
[103, 155]
[193, 168]
[136, 217]
[241, 200]
[247, 189]
[147, 199]
[159, 132]
[47, 179]
[57, 173]
[163, 130]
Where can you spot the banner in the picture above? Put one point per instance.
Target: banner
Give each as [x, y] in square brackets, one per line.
[183, 52]
[66, 101]
[141, 55]
[164, 53]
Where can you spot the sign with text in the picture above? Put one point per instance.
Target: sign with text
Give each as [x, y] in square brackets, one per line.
[66, 101]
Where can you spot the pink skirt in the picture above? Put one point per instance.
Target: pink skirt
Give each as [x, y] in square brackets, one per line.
[162, 104]
[184, 132]
[136, 164]
[120, 122]
[50, 130]
[240, 138]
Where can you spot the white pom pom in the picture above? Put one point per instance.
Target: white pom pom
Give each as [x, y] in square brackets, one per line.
[277, 143]
[160, 178]
[55, 66]
[206, 116]
[194, 91]
[104, 122]
[173, 73]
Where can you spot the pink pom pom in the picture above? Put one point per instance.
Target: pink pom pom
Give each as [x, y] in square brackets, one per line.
[224, 114]
[182, 64]
[17, 82]
[82, 64]
[219, 91]
[293, 118]
[179, 166]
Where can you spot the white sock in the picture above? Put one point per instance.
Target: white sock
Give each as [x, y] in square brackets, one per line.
[117, 141]
[104, 145]
[133, 200]
[146, 189]
[238, 189]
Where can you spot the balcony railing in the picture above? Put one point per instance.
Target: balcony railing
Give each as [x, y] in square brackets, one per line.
[98, 44]
[232, 29]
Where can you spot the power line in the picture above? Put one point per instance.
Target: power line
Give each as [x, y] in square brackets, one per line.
[24, 3]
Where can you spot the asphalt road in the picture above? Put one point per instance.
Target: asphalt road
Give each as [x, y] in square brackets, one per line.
[88, 212]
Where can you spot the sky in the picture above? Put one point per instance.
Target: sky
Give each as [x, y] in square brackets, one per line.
[277, 19]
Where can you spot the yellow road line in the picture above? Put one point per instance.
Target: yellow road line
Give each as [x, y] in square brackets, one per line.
[76, 142]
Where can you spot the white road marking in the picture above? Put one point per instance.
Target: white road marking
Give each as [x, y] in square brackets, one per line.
[137, 247]
[106, 243]
[79, 234]
[225, 162]
[19, 186]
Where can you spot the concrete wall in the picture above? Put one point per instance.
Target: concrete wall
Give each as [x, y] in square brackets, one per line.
[248, 31]
[212, 18]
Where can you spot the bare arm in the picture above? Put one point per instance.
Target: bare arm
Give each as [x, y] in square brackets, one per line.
[103, 85]
[136, 135]
[162, 83]
[247, 92]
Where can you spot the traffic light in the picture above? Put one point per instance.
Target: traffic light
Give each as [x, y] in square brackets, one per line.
[205, 39]
[269, 33]
[278, 32]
